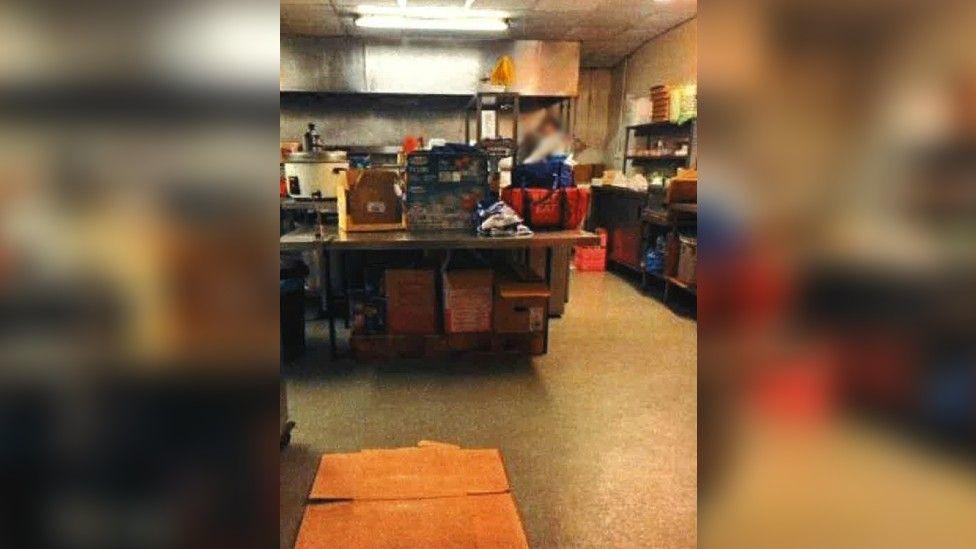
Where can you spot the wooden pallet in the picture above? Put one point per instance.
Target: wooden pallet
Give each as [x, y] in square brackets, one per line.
[442, 346]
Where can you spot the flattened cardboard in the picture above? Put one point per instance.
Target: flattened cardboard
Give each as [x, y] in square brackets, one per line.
[434, 495]
[488, 521]
[409, 473]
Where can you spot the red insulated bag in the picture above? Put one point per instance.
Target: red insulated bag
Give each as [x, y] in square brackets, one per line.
[549, 208]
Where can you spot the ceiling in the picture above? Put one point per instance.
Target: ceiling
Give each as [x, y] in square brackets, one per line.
[608, 30]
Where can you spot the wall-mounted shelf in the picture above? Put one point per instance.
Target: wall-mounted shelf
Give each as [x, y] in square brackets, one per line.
[659, 125]
[666, 131]
[663, 158]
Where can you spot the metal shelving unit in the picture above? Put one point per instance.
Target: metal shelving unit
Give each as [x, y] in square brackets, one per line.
[662, 130]
[501, 102]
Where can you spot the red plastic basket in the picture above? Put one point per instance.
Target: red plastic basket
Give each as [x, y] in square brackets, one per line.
[590, 258]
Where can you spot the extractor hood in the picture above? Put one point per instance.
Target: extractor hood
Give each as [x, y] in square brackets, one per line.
[429, 66]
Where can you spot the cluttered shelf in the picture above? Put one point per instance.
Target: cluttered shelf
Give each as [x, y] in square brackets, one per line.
[665, 125]
[663, 157]
[684, 207]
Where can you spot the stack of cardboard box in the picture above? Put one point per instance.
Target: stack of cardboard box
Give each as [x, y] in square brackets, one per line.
[482, 310]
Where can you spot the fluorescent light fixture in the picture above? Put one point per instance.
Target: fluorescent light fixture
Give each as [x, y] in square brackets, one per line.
[432, 12]
[441, 23]
[444, 18]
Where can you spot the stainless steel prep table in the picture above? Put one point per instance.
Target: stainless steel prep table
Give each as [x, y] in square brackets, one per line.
[341, 242]
[302, 240]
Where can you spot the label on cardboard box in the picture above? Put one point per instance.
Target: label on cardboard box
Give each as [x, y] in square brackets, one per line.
[468, 310]
[536, 319]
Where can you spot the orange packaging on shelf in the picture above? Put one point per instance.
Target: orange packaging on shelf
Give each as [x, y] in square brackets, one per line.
[467, 300]
[683, 187]
[434, 495]
[411, 301]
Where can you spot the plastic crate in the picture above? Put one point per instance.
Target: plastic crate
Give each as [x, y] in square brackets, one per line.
[590, 258]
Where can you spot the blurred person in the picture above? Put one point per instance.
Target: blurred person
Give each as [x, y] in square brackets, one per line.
[545, 139]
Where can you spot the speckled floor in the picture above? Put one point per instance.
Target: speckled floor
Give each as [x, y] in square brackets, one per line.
[598, 436]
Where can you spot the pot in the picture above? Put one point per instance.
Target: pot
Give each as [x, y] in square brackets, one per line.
[315, 175]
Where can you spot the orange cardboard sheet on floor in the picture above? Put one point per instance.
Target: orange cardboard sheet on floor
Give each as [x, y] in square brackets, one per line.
[435, 495]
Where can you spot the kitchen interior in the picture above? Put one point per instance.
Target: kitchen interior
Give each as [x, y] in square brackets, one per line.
[488, 245]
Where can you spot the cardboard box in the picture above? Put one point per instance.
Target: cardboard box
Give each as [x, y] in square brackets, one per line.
[533, 343]
[440, 207]
[387, 347]
[435, 495]
[453, 164]
[444, 186]
[369, 202]
[474, 341]
[467, 300]
[411, 301]
[521, 307]
[683, 187]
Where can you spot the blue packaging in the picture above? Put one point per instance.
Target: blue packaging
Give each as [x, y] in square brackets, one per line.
[553, 173]
[444, 187]
[368, 313]
[654, 260]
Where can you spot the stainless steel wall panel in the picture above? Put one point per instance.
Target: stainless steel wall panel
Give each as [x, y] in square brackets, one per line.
[430, 67]
[322, 64]
[411, 66]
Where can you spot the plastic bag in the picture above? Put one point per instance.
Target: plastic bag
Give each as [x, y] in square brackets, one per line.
[504, 72]
[499, 219]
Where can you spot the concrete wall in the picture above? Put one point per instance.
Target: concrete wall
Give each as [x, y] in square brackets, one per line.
[590, 114]
[671, 58]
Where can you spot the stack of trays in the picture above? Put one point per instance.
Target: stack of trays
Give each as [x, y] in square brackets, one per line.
[661, 104]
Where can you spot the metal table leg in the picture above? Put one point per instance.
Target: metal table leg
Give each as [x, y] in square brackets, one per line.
[329, 305]
[545, 327]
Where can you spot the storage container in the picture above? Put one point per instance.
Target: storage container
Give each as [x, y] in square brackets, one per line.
[687, 260]
[590, 258]
[291, 301]
[368, 201]
[444, 187]
[521, 307]
[468, 300]
[411, 301]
